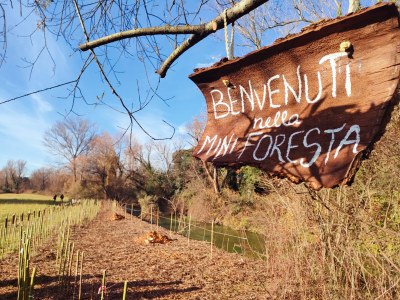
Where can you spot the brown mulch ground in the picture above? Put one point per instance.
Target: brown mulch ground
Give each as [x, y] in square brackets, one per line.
[175, 270]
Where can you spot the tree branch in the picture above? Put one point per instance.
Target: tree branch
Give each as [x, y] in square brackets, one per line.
[113, 90]
[235, 12]
[38, 91]
[158, 30]
[199, 31]
[190, 42]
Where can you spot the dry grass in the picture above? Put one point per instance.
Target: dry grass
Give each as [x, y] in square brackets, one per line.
[341, 243]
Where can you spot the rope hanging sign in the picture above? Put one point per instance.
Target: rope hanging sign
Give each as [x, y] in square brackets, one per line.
[311, 105]
[228, 44]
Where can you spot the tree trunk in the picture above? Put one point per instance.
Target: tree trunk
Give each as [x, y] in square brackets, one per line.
[74, 168]
[216, 182]
[213, 178]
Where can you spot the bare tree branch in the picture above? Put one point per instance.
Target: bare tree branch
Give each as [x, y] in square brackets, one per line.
[110, 85]
[235, 12]
[158, 30]
[3, 34]
[39, 91]
[199, 31]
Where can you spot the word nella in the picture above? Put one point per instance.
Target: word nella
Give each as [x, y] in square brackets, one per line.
[281, 146]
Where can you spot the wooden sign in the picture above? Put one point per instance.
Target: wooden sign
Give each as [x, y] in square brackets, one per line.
[309, 106]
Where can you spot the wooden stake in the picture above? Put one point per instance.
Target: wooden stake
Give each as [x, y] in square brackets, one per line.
[70, 266]
[212, 237]
[125, 289]
[190, 220]
[157, 218]
[80, 277]
[170, 225]
[31, 286]
[76, 273]
[151, 215]
[103, 285]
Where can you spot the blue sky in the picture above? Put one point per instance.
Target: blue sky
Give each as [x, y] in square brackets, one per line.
[23, 122]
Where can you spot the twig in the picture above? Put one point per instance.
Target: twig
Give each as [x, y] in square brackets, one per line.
[39, 91]
[199, 32]
[110, 85]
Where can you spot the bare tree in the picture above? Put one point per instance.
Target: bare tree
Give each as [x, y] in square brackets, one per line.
[59, 180]
[2, 179]
[195, 128]
[102, 165]
[276, 18]
[132, 155]
[70, 139]
[14, 174]
[5, 183]
[40, 179]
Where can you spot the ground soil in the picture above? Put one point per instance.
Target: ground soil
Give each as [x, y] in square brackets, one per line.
[176, 270]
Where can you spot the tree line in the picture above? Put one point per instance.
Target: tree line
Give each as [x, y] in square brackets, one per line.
[96, 165]
[99, 165]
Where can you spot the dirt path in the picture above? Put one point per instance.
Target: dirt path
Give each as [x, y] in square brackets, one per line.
[176, 270]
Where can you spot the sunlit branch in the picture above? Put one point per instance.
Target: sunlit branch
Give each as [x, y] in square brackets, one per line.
[199, 31]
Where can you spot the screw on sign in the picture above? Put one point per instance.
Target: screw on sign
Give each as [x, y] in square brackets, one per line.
[308, 107]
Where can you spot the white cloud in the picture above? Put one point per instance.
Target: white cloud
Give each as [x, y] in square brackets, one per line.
[42, 105]
[182, 129]
[21, 132]
[210, 61]
[21, 127]
[151, 119]
[23, 122]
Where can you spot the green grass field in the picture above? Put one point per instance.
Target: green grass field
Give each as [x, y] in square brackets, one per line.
[22, 203]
